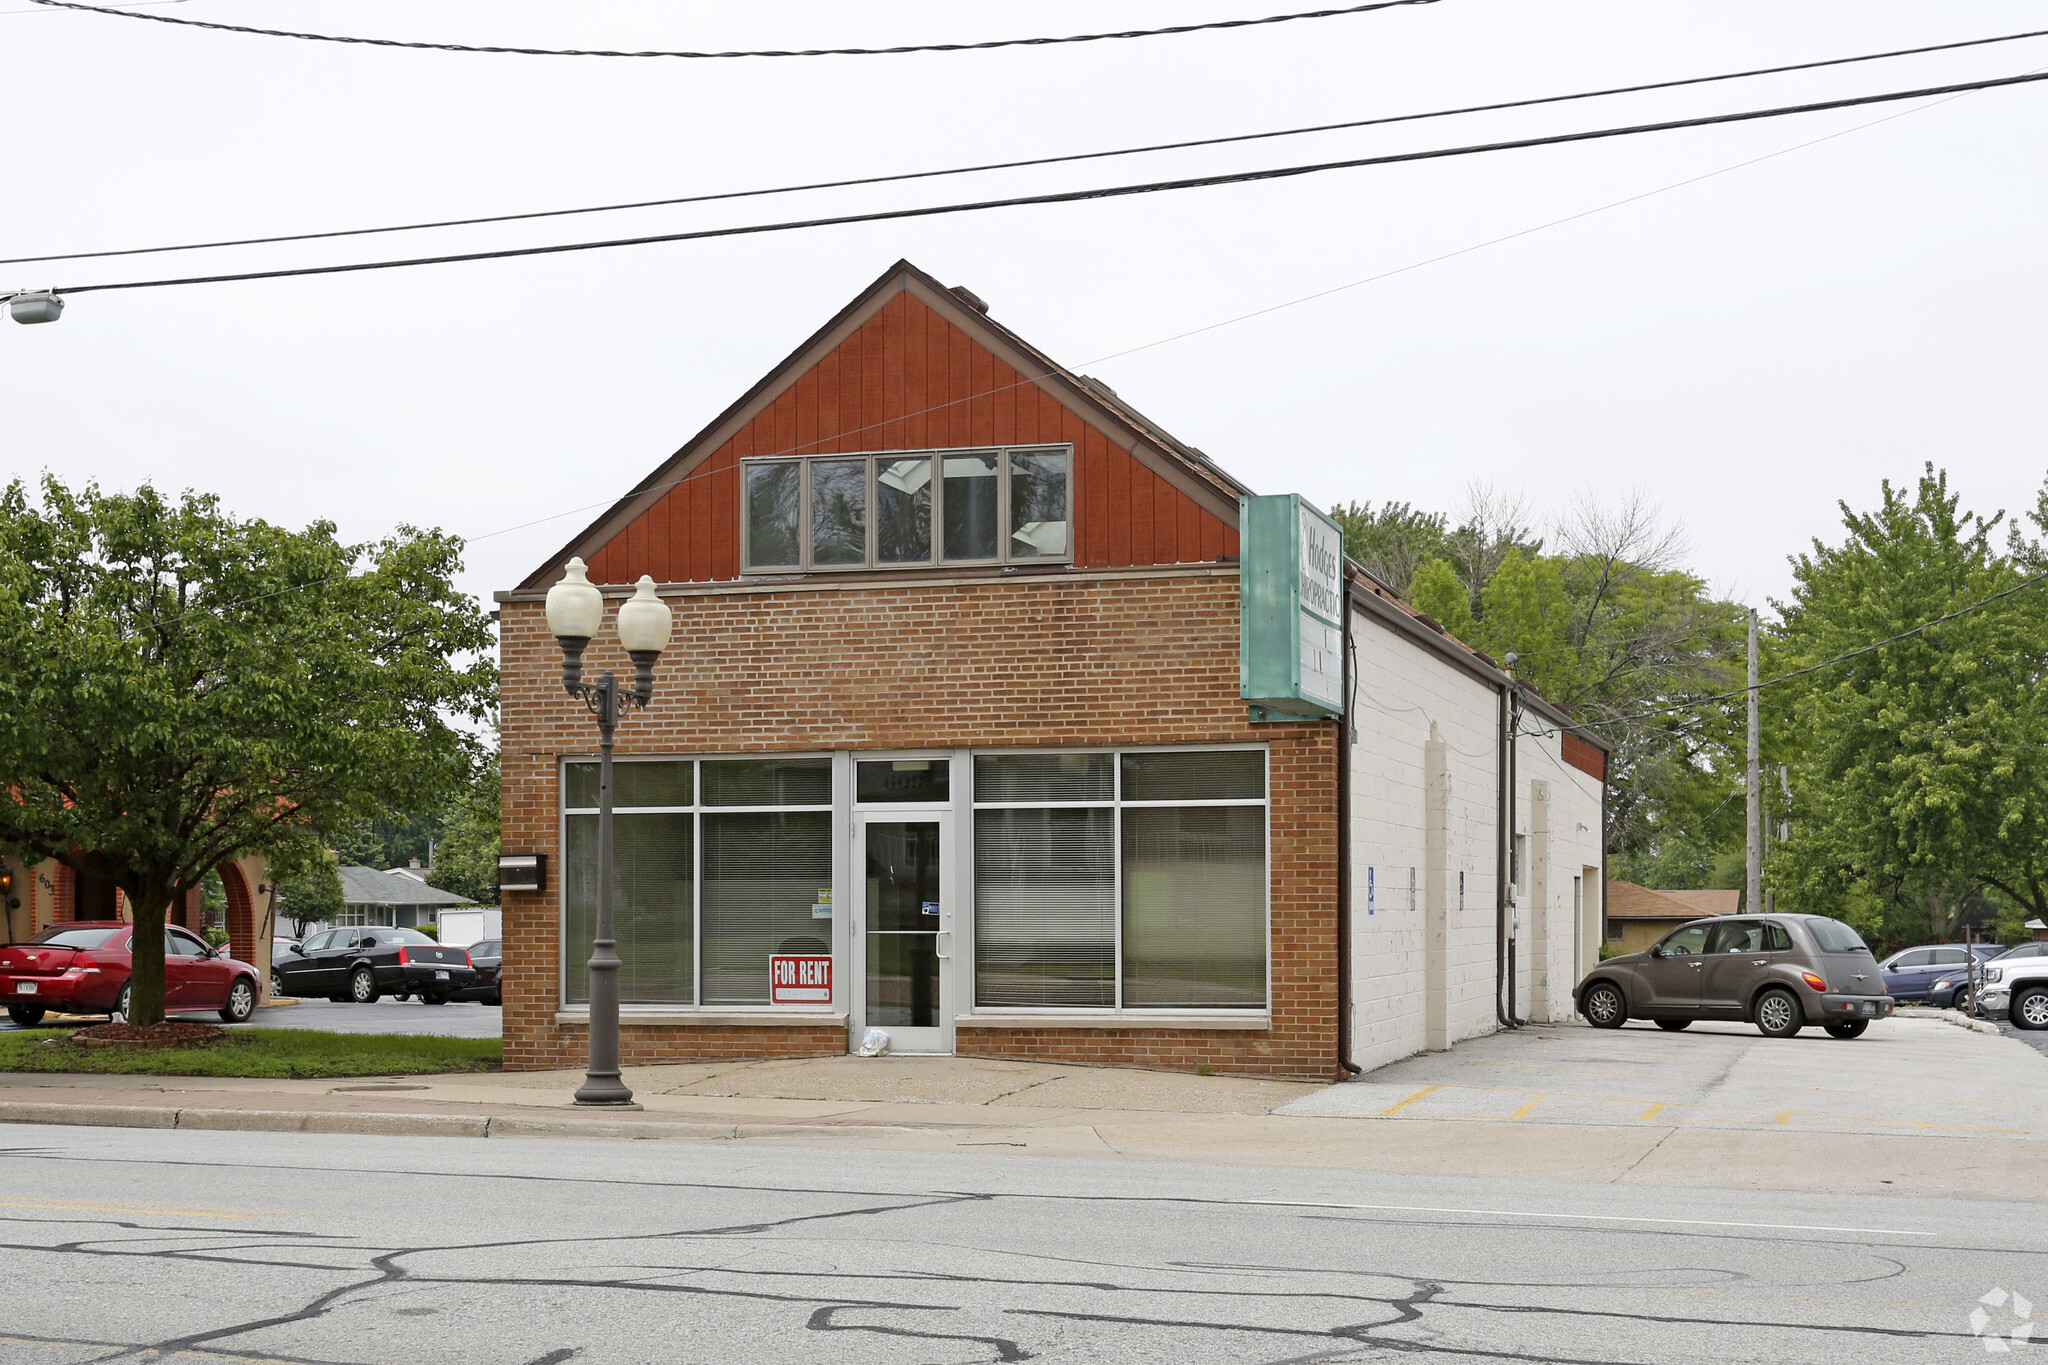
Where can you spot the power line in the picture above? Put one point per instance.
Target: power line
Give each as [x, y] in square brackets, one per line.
[1074, 196]
[1858, 652]
[1031, 161]
[1195, 331]
[807, 52]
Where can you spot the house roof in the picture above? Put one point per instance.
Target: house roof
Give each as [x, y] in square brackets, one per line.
[369, 886]
[1626, 900]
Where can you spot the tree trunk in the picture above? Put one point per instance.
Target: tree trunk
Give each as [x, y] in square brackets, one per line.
[146, 958]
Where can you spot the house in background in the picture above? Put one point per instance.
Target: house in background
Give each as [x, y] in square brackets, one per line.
[399, 898]
[1637, 916]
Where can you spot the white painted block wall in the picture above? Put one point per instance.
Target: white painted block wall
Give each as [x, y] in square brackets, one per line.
[1400, 690]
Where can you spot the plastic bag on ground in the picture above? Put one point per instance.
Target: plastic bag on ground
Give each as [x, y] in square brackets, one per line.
[873, 1043]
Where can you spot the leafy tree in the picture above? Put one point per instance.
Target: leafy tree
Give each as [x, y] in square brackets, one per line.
[466, 860]
[183, 686]
[1922, 765]
[1393, 542]
[308, 883]
[1439, 593]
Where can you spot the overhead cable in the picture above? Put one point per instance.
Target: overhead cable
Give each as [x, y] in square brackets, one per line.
[805, 52]
[1033, 161]
[1072, 196]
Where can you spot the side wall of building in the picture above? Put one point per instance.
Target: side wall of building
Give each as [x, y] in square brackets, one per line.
[1425, 821]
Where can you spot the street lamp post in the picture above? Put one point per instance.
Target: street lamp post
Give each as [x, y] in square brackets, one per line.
[575, 611]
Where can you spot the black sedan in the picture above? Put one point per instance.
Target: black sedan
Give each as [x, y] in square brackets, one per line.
[362, 964]
[488, 957]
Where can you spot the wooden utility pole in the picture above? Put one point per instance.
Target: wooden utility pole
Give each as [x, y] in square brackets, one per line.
[1754, 898]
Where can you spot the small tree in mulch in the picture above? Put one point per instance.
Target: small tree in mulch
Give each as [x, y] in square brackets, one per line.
[181, 687]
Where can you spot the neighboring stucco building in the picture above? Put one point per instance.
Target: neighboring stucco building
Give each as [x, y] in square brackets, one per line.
[1637, 916]
[955, 719]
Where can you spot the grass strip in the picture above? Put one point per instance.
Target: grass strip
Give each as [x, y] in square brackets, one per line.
[273, 1053]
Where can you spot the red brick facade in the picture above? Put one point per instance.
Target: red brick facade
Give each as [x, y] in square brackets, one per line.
[1131, 658]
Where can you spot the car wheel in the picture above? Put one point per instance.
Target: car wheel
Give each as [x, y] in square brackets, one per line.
[1777, 1014]
[1962, 1000]
[1673, 1025]
[2030, 1009]
[1847, 1028]
[241, 1001]
[28, 1016]
[362, 986]
[277, 990]
[120, 1014]
[1604, 1006]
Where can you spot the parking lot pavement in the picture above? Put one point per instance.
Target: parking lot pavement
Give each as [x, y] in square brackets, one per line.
[458, 1019]
[2033, 1038]
[1904, 1077]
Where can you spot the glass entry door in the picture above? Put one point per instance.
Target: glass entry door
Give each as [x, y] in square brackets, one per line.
[905, 930]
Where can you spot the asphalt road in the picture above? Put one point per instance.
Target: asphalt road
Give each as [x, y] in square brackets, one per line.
[127, 1244]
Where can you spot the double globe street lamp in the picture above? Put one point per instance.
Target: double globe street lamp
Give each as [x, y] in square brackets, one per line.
[575, 612]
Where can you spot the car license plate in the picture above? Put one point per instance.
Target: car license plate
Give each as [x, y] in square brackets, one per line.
[440, 976]
[25, 987]
[1870, 1007]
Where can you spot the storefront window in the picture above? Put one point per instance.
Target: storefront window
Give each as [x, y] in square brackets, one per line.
[762, 870]
[957, 507]
[1184, 840]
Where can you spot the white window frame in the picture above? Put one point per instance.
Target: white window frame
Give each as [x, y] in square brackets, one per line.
[697, 810]
[938, 455]
[1116, 805]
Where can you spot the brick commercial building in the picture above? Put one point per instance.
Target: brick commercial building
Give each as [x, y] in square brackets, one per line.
[1008, 724]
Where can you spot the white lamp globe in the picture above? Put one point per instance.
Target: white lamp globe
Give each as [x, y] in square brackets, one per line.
[575, 606]
[644, 620]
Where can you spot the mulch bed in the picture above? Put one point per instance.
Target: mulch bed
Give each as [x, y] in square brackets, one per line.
[169, 1034]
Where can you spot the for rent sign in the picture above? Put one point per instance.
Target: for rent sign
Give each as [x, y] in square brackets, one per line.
[796, 980]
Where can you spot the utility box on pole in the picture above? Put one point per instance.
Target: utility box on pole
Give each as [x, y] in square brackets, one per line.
[1290, 609]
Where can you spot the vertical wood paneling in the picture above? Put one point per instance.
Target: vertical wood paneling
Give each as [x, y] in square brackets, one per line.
[908, 379]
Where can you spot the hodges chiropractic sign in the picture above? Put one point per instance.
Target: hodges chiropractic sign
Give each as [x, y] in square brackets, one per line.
[1290, 605]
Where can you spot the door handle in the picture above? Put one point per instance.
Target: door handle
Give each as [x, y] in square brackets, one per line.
[1696, 964]
[1761, 962]
[940, 944]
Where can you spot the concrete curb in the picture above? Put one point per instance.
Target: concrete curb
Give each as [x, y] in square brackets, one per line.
[413, 1125]
[1956, 1017]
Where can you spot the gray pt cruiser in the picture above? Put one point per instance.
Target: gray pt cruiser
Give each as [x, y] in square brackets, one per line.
[1780, 972]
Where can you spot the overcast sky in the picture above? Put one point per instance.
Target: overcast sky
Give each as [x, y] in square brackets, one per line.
[1743, 351]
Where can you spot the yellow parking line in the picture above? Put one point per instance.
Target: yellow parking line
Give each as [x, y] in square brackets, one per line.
[1528, 1108]
[1783, 1118]
[1397, 1108]
[1651, 1112]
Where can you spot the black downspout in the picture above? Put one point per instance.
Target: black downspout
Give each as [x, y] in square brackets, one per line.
[1344, 852]
[1519, 874]
[1504, 833]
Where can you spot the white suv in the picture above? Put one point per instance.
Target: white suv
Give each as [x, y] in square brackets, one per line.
[2018, 987]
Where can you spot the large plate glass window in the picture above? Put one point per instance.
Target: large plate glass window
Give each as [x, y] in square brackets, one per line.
[994, 506]
[716, 865]
[1133, 881]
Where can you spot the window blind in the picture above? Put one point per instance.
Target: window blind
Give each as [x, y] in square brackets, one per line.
[1045, 907]
[762, 874]
[652, 901]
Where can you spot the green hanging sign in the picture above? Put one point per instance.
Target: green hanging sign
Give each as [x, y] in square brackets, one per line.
[1290, 609]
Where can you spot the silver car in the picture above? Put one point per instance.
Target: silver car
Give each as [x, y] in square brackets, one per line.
[1779, 972]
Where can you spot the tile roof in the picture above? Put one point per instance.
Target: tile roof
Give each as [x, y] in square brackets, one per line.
[1626, 900]
[369, 886]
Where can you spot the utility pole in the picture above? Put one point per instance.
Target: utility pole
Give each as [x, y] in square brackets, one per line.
[1754, 899]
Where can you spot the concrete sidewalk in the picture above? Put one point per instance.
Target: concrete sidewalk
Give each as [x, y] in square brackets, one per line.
[998, 1107]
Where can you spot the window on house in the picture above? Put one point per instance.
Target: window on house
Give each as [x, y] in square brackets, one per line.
[715, 866]
[1133, 881]
[997, 506]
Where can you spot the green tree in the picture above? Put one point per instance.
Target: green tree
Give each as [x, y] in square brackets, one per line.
[308, 882]
[1439, 593]
[466, 859]
[1393, 542]
[1921, 765]
[183, 686]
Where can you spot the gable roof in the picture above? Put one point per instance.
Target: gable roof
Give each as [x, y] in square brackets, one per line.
[1626, 900]
[1180, 465]
[369, 886]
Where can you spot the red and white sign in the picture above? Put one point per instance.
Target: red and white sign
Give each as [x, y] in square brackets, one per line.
[799, 980]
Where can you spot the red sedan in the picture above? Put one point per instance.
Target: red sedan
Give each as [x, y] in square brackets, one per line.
[84, 968]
